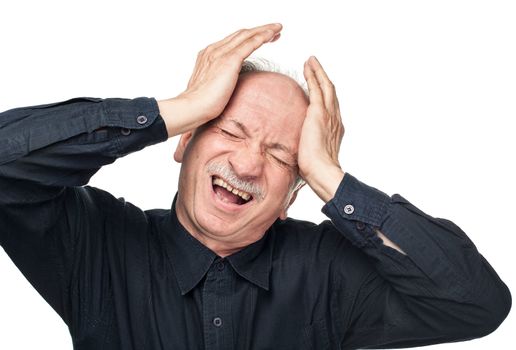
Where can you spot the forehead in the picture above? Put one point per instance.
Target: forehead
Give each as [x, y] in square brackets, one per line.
[267, 104]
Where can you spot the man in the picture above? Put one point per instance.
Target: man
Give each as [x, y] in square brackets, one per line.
[225, 268]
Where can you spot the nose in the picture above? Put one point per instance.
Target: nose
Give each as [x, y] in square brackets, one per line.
[247, 162]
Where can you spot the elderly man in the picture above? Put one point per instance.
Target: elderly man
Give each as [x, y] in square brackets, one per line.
[224, 267]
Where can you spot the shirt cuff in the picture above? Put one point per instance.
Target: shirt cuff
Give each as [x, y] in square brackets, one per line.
[356, 208]
[136, 113]
[131, 116]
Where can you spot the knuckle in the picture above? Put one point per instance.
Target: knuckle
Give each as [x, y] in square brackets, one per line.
[210, 58]
[258, 39]
[242, 32]
[232, 55]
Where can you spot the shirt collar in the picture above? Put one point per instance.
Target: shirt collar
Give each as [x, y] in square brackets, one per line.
[254, 261]
[191, 260]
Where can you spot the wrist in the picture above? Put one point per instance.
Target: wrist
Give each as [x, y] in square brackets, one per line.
[180, 115]
[169, 111]
[325, 181]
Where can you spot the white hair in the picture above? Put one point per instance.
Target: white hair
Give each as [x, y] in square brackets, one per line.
[259, 64]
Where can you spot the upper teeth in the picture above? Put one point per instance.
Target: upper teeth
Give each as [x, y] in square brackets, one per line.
[218, 181]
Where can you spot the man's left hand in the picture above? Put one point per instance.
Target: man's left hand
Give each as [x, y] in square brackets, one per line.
[321, 134]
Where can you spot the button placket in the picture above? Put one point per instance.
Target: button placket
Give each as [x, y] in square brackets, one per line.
[217, 296]
[217, 321]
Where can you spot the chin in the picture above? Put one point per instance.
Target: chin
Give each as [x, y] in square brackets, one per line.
[214, 225]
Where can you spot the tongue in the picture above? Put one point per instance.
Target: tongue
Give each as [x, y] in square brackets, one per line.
[226, 195]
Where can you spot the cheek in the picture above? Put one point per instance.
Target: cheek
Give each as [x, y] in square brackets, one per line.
[214, 144]
[204, 149]
[280, 181]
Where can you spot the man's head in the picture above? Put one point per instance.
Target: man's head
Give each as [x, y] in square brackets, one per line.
[252, 148]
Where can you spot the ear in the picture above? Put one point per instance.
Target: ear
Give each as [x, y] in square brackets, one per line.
[283, 214]
[181, 146]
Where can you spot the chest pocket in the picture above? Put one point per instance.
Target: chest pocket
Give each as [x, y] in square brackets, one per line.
[315, 336]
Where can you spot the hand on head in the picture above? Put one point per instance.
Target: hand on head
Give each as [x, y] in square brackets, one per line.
[214, 78]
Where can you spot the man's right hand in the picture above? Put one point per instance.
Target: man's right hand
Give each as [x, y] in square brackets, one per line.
[214, 79]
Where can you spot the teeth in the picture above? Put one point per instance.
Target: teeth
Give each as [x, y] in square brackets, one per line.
[219, 182]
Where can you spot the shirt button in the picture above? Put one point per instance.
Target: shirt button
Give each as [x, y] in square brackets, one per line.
[125, 131]
[360, 225]
[349, 209]
[220, 265]
[217, 321]
[141, 119]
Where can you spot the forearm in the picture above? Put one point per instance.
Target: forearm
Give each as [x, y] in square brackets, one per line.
[387, 242]
[427, 280]
[183, 113]
[65, 143]
[325, 185]
[438, 259]
[178, 115]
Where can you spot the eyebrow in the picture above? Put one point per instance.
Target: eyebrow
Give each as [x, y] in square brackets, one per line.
[274, 145]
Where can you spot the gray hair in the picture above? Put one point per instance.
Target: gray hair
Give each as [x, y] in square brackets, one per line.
[256, 64]
[259, 64]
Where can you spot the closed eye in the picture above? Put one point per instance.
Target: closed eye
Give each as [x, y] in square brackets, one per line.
[282, 163]
[227, 133]
[276, 159]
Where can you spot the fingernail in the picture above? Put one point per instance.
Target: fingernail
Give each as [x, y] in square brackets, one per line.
[275, 37]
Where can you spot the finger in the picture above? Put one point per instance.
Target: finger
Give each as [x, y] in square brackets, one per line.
[324, 82]
[225, 40]
[251, 44]
[234, 34]
[314, 90]
[240, 36]
[276, 37]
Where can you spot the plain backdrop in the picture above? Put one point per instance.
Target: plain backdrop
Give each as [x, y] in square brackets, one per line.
[427, 91]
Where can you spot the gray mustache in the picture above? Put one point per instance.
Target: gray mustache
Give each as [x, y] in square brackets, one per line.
[232, 179]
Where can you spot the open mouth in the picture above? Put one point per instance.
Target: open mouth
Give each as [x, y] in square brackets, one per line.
[227, 194]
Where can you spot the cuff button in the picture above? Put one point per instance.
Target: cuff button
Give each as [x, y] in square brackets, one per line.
[141, 119]
[360, 225]
[125, 131]
[349, 209]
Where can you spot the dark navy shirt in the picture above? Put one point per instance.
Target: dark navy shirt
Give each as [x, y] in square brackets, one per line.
[125, 278]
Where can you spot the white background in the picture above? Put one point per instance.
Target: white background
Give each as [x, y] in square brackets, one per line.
[427, 90]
